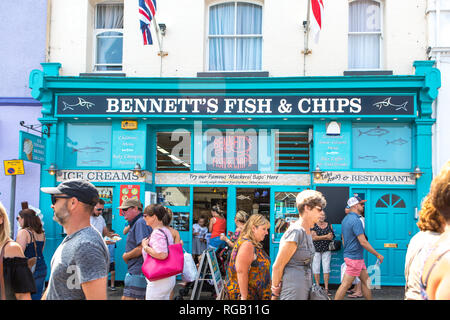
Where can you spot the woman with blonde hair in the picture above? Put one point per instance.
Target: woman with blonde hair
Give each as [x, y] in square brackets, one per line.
[16, 279]
[431, 225]
[435, 279]
[240, 219]
[248, 276]
[291, 272]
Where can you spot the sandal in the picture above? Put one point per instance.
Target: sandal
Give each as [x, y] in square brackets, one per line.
[328, 293]
[354, 296]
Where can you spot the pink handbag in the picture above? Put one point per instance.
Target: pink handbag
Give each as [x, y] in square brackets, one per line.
[155, 269]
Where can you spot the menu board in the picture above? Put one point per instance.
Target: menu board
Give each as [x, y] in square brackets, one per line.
[180, 221]
[129, 192]
[232, 152]
[333, 151]
[128, 148]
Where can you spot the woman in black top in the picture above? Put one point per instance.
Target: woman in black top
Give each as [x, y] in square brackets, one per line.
[322, 234]
[16, 280]
[32, 240]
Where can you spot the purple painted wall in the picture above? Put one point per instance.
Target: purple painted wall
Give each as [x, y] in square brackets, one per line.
[23, 39]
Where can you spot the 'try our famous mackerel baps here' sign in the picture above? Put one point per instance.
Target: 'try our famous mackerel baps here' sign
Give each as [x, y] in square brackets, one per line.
[234, 105]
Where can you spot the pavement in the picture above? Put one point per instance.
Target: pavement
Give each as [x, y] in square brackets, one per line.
[383, 293]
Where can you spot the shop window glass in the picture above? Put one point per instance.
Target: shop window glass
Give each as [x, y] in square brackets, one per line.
[87, 145]
[109, 37]
[364, 37]
[235, 37]
[173, 196]
[173, 151]
[387, 146]
[285, 210]
[390, 200]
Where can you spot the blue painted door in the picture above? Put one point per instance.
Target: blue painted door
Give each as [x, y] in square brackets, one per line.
[389, 226]
[285, 211]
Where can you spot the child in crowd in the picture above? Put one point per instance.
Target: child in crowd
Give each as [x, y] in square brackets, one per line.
[199, 231]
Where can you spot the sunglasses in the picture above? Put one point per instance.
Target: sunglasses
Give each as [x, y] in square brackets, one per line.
[125, 209]
[319, 208]
[99, 209]
[54, 198]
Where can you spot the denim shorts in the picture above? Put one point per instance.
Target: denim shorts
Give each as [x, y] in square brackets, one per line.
[135, 286]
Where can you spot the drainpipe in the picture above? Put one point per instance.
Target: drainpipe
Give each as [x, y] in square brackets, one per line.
[47, 31]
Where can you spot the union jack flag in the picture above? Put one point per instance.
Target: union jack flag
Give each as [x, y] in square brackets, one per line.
[147, 10]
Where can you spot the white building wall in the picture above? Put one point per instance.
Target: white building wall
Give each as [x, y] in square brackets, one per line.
[71, 43]
[438, 22]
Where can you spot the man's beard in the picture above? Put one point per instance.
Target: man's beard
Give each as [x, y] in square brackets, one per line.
[62, 215]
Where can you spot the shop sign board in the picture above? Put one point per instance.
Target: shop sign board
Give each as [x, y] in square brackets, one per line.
[128, 148]
[299, 105]
[102, 176]
[32, 147]
[369, 178]
[233, 179]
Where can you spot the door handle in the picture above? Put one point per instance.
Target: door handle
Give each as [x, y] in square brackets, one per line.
[273, 239]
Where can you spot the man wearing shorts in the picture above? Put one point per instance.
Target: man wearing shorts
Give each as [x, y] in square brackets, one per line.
[354, 244]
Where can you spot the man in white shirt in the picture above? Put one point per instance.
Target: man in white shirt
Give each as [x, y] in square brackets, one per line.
[97, 220]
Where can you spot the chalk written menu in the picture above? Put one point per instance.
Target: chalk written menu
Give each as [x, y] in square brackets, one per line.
[128, 149]
[333, 152]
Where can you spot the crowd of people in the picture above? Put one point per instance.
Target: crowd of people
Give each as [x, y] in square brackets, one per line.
[80, 266]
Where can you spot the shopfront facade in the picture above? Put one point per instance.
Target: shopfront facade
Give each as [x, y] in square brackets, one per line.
[246, 144]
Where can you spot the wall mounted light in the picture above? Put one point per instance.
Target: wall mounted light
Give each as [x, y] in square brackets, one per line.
[162, 28]
[317, 172]
[137, 171]
[52, 170]
[417, 173]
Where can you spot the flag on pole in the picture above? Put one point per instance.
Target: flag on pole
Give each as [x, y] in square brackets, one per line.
[147, 10]
[316, 21]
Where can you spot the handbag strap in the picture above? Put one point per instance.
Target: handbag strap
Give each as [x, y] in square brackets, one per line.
[2, 279]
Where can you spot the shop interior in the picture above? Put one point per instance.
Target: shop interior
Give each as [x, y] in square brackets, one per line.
[251, 200]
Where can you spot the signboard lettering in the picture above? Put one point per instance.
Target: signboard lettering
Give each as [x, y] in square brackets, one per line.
[239, 105]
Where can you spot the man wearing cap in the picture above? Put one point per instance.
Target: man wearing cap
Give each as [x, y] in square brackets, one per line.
[79, 267]
[135, 283]
[354, 244]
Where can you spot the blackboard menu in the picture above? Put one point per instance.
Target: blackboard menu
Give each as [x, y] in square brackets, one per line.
[336, 202]
[180, 221]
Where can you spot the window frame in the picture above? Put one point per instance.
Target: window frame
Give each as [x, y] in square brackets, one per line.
[97, 32]
[381, 38]
[234, 36]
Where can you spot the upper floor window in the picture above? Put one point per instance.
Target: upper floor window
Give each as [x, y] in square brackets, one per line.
[235, 37]
[364, 37]
[108, 37]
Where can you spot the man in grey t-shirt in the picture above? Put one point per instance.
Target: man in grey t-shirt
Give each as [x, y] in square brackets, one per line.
[79, 267]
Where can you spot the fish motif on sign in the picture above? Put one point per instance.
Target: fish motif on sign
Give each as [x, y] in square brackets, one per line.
[397, 142]
[88, 149]
[242, 197]
[374, 159]
[377, 132]
[387, 103]
[81, 103]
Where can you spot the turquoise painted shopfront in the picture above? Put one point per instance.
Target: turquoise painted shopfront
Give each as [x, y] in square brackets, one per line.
[245, 144]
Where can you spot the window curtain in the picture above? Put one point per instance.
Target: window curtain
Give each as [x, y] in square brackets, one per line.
[232, 41]
[364, 48]
[109, 16]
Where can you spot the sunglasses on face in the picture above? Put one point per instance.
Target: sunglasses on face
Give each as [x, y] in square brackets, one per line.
[125, 209]
[99, 209]
[54, 198]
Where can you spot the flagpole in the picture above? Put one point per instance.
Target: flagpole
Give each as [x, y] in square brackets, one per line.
[306, 24]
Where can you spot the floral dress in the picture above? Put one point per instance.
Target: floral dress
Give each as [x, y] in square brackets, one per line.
[259, 283]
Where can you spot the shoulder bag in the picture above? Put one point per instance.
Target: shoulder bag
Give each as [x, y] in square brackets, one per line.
[2, 279]
[32, 261]
[155, 269]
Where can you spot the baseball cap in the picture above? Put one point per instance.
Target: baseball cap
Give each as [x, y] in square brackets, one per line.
[354, 200]
[83, 190]
[132, 202]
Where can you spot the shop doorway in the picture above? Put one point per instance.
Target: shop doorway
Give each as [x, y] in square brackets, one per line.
[205, 198]
[255, 200]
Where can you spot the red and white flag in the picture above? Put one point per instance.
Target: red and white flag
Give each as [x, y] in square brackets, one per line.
[316, 21]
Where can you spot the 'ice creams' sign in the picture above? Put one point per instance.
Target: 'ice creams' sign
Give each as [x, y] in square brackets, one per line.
[32, 147]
